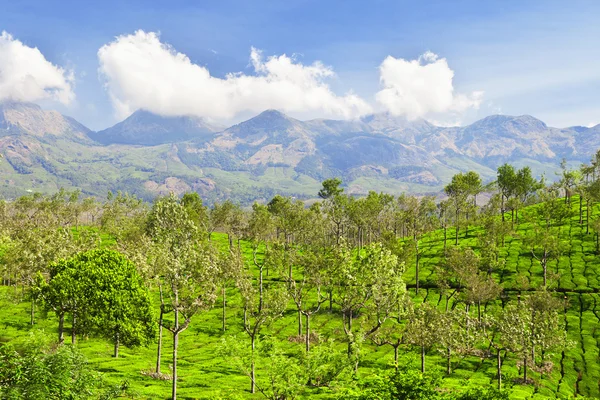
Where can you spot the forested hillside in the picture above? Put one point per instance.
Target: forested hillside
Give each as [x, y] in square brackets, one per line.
[374, 297]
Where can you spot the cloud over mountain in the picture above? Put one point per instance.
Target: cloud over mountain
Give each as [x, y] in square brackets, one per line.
[140, 71]
[26, 75]
[418, 88]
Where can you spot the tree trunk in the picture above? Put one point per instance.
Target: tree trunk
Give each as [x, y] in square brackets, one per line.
[445, 238]
[350, 321]
[502, 207]
[499, 359]
[252, 374]
[525, 370]
[417, 266]
[457, 229]
[73, 331]
[175, 346]
[580, 210]
[224, 305]
[116, 353]
[299, 323]
[61, 324]
[260, 287]
[330, 302]
[307, 340]
[478, 310]
[348, 332]
[544, 266]
[422, 359]
[396, 357]
[159, 347]
[449, 361]
[32, 320]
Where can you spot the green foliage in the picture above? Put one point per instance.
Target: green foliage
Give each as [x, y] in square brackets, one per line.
[331, 188]
[106, 293]
[412, 385]
[483, 394]
[35, 370]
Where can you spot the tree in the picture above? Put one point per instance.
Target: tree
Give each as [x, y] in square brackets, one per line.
[525, 186]
[65, 293]
[39, 236]
[423, 329]
[284, 375]
[388, 289]
[458, 334]
[474, 186]
[515, 188]
[288, 218]
[260, 232]
[458, 191]
[123, 217]
[307, 290]
[120, 305]
[331, 188]
[106, 292]
[543, 239]
[335, 208]
[569, 180]
[390, 332]
[495, 229]
[372, 280]
[421, 219]
[190, 271]
[197, 211]
[443, 208]
[261, 305]
[548, 330]
[514, 327]
[507, 183]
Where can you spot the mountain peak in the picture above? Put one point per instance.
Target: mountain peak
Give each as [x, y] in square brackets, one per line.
[267, 122]
[272, 114]
[498, 122]
[144, 127]
[28, 118]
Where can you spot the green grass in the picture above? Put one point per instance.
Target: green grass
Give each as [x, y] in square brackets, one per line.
[205, 374]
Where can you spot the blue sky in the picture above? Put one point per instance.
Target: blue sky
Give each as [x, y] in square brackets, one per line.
[527, 57]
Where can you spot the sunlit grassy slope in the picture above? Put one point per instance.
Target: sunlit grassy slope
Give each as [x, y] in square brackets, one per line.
[205, 374]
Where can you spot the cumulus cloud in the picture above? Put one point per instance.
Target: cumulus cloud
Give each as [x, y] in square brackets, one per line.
[26, 75]
[422, 87]
[140, 71]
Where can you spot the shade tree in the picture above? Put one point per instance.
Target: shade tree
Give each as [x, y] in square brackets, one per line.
[261, 304]
[190, 271]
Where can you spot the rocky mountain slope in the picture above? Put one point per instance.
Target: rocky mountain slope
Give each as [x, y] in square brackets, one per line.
[271, 153]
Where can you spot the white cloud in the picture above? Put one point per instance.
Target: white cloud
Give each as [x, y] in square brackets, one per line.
[26, 75]
[141, 72]
[421, 88]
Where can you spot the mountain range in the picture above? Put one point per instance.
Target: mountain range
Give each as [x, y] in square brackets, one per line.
[150, 155]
